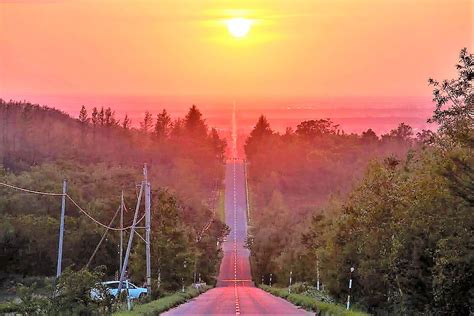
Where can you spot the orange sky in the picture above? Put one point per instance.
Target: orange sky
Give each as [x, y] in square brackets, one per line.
[182, 47]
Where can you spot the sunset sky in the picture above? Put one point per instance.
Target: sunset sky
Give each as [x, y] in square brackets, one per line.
[181, 48]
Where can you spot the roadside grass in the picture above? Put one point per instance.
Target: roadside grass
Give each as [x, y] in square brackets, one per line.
[165, 303]
[311, 304]
[221, 206]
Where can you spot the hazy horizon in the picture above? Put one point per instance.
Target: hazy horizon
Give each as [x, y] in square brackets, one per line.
[354, 114]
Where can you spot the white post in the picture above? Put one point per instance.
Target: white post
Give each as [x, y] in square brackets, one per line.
[348, 304]
[147, 227]
[61, 230]
[159, 279]
[182, 278]
[317, 273]
[129, 304]
[271, 279]
[289, 287]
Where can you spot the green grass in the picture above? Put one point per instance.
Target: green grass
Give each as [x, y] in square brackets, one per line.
[8, 307]
[165, 303]
[221, 206]
[310, 304]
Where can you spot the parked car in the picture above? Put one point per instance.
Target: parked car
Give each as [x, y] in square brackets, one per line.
[134, 292]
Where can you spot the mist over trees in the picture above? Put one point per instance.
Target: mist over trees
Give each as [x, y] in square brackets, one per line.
[398, 208]
[101, 155]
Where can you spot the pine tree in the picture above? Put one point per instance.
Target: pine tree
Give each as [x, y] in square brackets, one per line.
[194, 123]
[147, 123]
[83, 116]
[101, 117]
[162, 125]
[126, 123]
[95, 116]
[109, 118]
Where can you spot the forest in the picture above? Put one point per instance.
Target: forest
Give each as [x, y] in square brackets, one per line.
[101, 155]
[396, 208]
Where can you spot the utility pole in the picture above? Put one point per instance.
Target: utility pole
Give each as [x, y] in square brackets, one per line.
[121, 232]
[61, 230]
[348, 305]
[130, 240]
[147, 227]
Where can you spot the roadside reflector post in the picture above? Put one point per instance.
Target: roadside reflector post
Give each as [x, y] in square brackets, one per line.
[348, 304]
[289, 287]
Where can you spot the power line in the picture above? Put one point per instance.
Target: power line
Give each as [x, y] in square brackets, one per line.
[73, 202]
[30, 191]
[96, 221]
[101, 239]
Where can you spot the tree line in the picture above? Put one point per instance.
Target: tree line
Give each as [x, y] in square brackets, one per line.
[398, 209]
[101, 156]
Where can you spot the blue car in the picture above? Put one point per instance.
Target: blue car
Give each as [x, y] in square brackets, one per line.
[134, 292]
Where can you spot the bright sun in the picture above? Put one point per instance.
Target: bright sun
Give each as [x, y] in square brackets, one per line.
[238, 27]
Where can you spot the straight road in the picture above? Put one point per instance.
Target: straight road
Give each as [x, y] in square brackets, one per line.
[235, 293]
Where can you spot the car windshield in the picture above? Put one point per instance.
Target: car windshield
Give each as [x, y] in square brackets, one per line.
[113, 285]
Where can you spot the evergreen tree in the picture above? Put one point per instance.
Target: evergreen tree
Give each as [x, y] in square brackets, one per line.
[126, 123]
[194, 124]
[95, 116]
[162, 125]
[83, 116]
[101, 117]
[260, 133]
[109, 118]
[147, 123]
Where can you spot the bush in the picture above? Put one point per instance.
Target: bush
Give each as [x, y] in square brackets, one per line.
[73, 293]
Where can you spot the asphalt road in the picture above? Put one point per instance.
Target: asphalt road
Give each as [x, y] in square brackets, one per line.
[235, 293]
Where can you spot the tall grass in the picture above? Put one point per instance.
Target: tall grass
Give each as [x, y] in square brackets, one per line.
[310, 304]
[165, 303]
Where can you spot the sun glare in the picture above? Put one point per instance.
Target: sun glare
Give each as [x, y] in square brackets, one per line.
[238, 27]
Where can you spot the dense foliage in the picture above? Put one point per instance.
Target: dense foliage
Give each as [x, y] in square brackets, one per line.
[101, 156]
[406, 225]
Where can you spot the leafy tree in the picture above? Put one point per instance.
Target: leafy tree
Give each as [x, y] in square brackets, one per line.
[313, 128]
[454, 101]
[369, 136]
